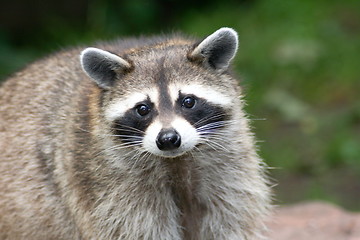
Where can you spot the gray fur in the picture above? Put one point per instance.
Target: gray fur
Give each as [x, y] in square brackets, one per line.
[64, 175]
[218, 49]
[102, 66]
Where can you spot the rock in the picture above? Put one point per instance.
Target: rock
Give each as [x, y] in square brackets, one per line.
[314, 221]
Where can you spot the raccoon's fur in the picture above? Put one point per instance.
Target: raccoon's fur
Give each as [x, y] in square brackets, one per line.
[136, 139]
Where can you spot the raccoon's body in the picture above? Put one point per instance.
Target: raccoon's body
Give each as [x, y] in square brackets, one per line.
[137, 139]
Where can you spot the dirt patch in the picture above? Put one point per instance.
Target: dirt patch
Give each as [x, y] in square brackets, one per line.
[314, 221]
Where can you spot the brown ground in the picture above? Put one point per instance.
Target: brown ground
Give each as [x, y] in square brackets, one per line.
[314, 221]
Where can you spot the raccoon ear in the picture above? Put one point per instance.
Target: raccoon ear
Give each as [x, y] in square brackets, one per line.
[217, 50]
[102, 66]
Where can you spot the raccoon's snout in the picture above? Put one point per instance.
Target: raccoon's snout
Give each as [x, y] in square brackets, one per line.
[168, 139]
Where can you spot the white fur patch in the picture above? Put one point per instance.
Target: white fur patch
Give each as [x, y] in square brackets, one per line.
[200, 91]
[188, 134]
[149, 140]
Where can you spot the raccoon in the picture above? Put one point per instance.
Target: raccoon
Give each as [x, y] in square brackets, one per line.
[132, 139]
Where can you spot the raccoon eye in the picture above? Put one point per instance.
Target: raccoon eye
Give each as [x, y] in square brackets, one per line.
[188, 102]
[143, 110]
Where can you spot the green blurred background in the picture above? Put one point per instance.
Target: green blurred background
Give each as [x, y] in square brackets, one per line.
[299, 62]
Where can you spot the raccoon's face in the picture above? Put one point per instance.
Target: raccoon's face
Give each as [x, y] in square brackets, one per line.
[175, 108]
[169, 126]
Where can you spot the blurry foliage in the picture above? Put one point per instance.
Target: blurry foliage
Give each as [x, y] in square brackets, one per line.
[298, 60]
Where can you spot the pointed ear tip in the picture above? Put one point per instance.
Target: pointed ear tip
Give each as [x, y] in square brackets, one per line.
[84, 52]
[229, 30]
[89, 50]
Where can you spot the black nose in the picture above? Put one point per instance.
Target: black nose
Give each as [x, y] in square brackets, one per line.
[168, 139]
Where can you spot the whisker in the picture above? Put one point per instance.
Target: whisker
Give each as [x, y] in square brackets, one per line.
[139, 157]
[133, 153]
[216, 146]
[219, 122]
[124, 127]
[209, 128]
[199, 150]
[119, 147]
[201, 121]
[84, 130]
[209, 144]
[220, 138]
[128, 131]
[126, 136]
[127, 145]
[119, 135]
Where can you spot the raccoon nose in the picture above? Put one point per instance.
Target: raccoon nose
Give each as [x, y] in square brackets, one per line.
[168, 139]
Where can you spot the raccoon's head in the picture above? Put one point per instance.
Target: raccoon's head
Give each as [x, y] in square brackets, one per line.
[166, 98]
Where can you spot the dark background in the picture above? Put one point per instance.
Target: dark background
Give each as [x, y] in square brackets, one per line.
[299, 61]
